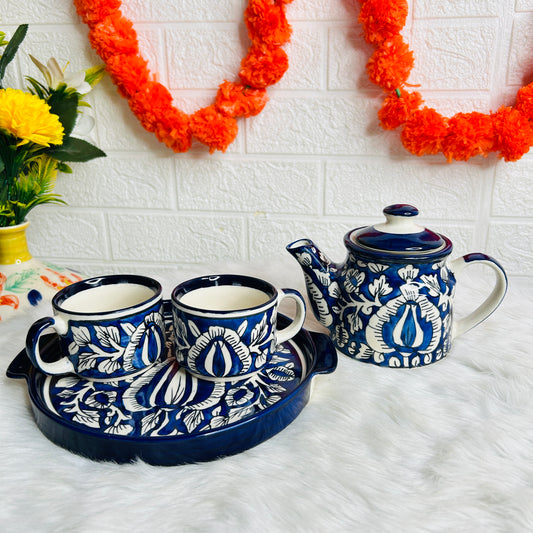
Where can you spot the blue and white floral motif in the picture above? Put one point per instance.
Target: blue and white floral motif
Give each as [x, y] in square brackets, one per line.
[389, 314]
[165, 400]
[394, 319]
[118, 348]
[241, 347]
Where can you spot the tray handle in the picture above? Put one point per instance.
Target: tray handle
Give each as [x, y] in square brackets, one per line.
[20, 366]
[326, 354]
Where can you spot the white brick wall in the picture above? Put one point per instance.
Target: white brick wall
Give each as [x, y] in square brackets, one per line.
[314, 163]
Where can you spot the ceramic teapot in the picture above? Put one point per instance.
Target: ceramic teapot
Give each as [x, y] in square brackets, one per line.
[391, 302]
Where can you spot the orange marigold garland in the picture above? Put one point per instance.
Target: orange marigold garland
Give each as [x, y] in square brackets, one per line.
[508, 131]
[113, 37]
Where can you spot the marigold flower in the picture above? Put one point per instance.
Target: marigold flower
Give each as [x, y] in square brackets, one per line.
[114, 35]
[390, 65]
[424, 132]
[28, 118]
[129, 72]
[213, 128]
[237, 100]
[524, 101]
[114, 39]
[513, 135]
[92, 11]
[263, 66]
[150, 103]
[267, 23]
[469, 134]
[383, 19]
[173, 130]
[397, 109]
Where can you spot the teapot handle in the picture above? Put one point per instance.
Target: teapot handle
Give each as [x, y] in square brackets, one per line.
[490, 304]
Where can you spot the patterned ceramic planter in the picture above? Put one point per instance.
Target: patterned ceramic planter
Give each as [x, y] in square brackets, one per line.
[25, 281]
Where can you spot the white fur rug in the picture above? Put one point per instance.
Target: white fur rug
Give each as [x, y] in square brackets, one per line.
[445, 448]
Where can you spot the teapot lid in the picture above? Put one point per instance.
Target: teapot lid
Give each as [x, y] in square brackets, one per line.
[399, 237]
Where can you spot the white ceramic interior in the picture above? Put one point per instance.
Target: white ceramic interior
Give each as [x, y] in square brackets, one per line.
[107, 298]
[225, 298]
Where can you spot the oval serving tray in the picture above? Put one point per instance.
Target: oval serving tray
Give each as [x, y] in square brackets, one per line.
[166, 416]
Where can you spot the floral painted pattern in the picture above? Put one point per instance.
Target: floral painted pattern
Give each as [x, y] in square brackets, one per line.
[121, 347]
[390, 315]
[239, 348]
[166, 400]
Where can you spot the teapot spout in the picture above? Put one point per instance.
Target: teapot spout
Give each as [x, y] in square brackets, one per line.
[320, 278]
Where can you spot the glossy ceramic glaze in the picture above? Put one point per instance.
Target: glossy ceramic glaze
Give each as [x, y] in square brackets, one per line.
[166, 416]
[25, 282]
[225, 325]
[391, 302]
[109, 327]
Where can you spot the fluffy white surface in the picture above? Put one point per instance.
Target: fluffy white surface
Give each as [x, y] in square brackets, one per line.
[448, 447]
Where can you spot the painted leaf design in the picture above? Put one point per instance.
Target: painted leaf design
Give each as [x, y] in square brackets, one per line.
[87, 361]
[408, 273]
[87, 418]
[109, 366]
[119, 429]
[275, 387]
[239, 413]
[242, 328]
[334, 290]
[379, 287]
[20, 281]
[376, 267]
[281, 373]
[271, 400]
[176, 388]
[259, 332]
[193, 419]
[356, 324]
[150, 422]
[81, 335]
[128, 328]
[66, 393]
[108, 336]
[320, 304]
[365, 352]
[432, 283]
[261, 358]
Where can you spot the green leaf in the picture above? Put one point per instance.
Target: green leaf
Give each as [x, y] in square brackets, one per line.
[76, 150]
[93, 75]
[11, 49]
[63, 167]
[65, 106]
[38, 88]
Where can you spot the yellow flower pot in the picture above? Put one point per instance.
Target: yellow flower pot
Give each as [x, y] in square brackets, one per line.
[24, 281]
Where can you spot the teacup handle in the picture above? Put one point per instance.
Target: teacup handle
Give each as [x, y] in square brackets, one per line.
[63, 365]
[491, 302]
[296, 325]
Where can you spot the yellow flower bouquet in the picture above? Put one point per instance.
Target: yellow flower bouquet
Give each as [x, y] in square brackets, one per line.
[36, 132]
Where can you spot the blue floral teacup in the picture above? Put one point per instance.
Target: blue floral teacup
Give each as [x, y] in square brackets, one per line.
[225, 325]
[109, 327]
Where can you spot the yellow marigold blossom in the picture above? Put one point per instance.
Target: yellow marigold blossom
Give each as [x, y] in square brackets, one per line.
[27, 117]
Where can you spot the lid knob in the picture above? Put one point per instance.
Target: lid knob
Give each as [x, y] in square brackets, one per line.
[400, 220]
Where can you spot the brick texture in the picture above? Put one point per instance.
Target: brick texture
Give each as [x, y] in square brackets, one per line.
[314, 163]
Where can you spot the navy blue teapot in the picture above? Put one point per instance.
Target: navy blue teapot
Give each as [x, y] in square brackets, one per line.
[391, 302]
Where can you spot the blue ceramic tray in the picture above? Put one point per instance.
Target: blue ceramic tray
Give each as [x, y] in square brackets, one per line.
[166, 416]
